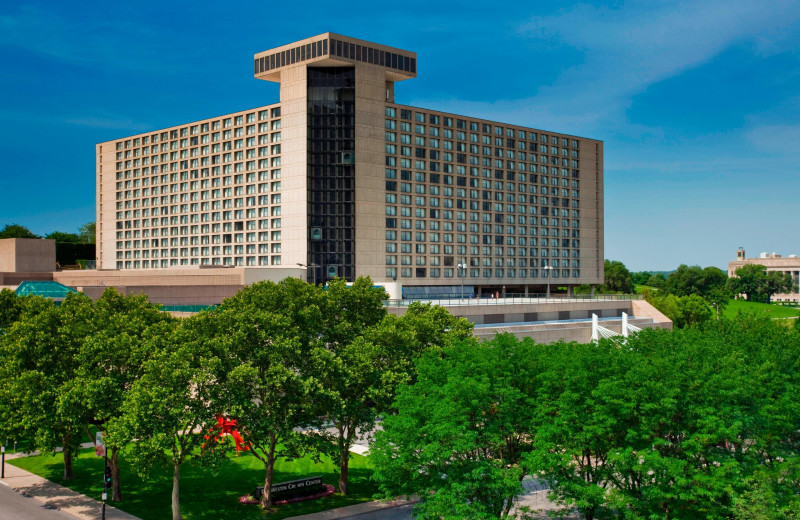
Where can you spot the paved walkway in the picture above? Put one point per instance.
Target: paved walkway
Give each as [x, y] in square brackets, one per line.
[45, 500]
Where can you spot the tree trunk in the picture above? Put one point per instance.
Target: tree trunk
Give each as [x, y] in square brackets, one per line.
[344, 463]
[176, 488]
[68, 475]
[266, 497]
[343, 469]
[116, 485]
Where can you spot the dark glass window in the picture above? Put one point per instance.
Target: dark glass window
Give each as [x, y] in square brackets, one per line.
[331, 170]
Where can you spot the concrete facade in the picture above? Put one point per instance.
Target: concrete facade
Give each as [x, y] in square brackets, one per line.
[174, 286]
[405, 194]
[26, 259]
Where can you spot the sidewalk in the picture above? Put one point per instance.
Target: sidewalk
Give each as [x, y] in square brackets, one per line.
[53, 496]
[374, 509]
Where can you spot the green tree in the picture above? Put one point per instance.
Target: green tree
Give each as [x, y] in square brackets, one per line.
[757, 284]
[693, 310]
[779, 282]
[87, 233]
[684, 311]
[686, 280]
[17, 231]
[704, 408]
[617, 277]
[461, 430]
[361, 369]
[10, 309]
[40, 358]
[771, 493]
[667, 304]
[656, 280]
[60, 236]
[170, 408]
[574, 434]
[272, 334]
[371, 354]
[113, 358]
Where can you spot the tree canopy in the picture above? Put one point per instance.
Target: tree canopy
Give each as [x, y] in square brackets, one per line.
[758, 284]
[17, 231]
[694, 423]
[686, 280]
[617, 278]
[85, 235]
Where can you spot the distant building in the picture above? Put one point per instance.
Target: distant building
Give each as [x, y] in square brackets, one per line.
[773, 262]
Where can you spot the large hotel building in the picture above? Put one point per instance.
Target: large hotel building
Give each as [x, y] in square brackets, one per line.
[337, 179]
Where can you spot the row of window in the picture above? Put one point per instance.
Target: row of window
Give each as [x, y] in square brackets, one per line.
[164, 263]
[486, 174]
[210, 143]
[435, 272]
[199, 251]
[192, 130]
[225, 238]
[474, 126]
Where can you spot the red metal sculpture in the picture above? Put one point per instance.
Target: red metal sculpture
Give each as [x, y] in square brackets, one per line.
[228, 427]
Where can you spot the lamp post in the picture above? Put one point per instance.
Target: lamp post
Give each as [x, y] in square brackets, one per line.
[547, 270]
[463, 268]
[313, 270]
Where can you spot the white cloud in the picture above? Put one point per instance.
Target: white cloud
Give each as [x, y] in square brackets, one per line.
[628, 49]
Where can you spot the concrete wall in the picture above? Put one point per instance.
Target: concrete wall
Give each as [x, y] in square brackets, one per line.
[176, 286]
[486, 311]
[27, 255]
[504, 314]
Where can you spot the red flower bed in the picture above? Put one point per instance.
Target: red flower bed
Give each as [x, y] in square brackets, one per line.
[327, 491]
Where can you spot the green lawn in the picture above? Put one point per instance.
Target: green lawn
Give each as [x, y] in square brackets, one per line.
[773, 311]
[205, 494]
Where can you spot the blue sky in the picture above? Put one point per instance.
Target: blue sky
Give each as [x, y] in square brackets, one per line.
[697, 102]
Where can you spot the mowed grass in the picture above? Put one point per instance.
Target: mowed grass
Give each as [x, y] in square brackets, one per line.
[735, 307]
[206, 494]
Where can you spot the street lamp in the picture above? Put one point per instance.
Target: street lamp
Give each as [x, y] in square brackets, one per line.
[313, 270]
[548, 268]
[463, 268]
